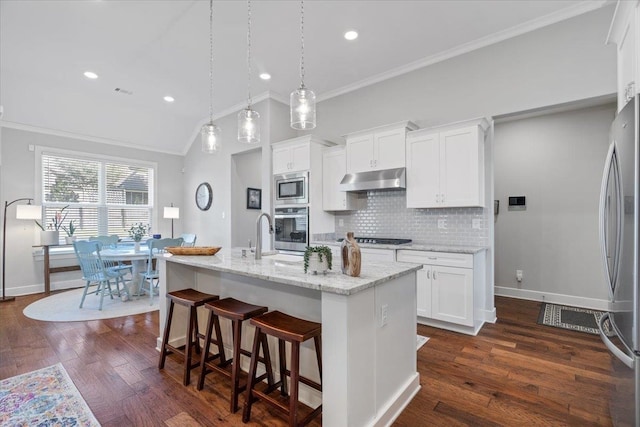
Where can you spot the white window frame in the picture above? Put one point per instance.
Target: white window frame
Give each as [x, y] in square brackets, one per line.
[102, 203]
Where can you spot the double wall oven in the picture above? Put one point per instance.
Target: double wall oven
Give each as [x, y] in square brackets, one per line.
[291, 212]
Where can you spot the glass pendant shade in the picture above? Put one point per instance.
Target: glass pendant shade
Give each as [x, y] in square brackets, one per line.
[248, 126]
[210, 138]
[303, 109]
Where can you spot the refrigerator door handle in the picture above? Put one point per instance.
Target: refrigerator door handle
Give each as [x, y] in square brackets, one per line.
[621, 355]
[603, 223]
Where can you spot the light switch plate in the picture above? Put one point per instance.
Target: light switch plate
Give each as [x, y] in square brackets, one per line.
[442, 223]
[341, 222]
[475, 223]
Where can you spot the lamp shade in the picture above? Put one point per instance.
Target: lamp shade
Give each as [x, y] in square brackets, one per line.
[171, 212]
[28, 212]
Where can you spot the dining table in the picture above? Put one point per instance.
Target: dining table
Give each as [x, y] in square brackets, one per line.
[137, 257]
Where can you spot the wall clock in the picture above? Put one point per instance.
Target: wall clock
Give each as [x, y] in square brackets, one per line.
[204, 196]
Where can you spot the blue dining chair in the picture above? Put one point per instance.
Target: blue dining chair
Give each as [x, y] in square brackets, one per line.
[151, 277]
[112, 242]
[94, 271]
[189, 240]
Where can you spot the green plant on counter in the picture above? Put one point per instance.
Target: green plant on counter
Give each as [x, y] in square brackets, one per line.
[321, 251]
[70, 229]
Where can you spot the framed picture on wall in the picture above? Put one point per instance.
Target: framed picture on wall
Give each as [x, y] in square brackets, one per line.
[254, 198]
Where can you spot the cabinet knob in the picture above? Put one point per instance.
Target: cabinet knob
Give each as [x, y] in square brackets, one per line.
[434, 275]
[428, 274]
[442, 198]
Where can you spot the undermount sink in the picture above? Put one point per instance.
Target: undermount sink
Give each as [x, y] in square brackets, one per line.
[285, 258]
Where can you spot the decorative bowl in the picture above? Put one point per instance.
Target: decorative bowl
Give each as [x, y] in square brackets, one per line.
[195, 250]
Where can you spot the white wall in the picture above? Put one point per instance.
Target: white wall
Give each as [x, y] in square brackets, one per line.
[555, 161]
[17, 179]
[213, 227]
[246, 173]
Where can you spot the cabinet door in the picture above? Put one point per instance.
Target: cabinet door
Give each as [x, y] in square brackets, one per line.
[423, 296]
[281, 160]
[334, 166]
[461, 168]
[389, 149]
[452, 295]
[300, 158]
[423, 171]
[360, 154]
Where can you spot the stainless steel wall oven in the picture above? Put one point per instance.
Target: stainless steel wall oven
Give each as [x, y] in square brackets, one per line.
[292, 228]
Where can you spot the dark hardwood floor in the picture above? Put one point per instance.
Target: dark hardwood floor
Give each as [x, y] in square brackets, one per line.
[513, 373]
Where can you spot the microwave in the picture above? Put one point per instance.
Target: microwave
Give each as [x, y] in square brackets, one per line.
[291, 188]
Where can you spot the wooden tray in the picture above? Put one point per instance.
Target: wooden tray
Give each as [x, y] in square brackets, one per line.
[196, 250]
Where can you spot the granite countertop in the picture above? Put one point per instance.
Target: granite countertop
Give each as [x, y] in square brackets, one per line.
[414, 246]
[292, 273]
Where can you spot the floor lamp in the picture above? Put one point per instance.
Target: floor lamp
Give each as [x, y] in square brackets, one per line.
[171, 213]
[27, 211]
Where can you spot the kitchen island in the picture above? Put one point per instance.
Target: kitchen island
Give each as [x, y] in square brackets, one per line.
[368, 325]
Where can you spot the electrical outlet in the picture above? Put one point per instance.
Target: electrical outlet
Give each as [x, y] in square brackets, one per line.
[442, 223]
[384, 314]
[475, 223]
[519, 275]
[341, 222]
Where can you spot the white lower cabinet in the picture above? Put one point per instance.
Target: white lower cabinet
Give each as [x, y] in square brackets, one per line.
[445, 285]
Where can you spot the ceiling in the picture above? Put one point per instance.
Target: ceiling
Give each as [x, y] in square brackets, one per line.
[157, 48]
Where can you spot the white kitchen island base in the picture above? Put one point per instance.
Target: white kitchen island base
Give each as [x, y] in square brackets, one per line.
[368, 327]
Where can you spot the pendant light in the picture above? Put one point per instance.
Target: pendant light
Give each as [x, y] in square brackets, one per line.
[248, 119]
[210, 133]
[302, 100]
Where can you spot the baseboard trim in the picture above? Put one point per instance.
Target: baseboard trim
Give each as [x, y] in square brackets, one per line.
[592, 303]
[468, 330]
[38, 288]
[396, 405]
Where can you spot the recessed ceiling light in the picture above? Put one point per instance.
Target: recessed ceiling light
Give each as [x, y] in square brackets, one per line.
[169, 98]
[265, 76]
[90, 75]
[351, 35]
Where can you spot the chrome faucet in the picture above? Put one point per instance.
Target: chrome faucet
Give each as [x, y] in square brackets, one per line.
[259, 233]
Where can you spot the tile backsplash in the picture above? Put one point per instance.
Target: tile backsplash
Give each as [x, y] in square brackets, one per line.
[383, 213]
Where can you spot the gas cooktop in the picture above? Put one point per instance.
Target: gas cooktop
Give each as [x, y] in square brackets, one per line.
[380, 240]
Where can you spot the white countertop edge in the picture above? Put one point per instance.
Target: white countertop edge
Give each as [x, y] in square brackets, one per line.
[300, 279]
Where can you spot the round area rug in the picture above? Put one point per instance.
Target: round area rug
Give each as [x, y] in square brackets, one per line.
[63, 307]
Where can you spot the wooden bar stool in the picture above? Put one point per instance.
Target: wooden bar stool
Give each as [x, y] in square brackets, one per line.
[237, 312]
[192, 299]
[287, 329]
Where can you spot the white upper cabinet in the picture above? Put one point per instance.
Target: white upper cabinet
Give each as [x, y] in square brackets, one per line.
[625, 33]
[334, 167]
[293, 157]
[445, 166]
[377, 149]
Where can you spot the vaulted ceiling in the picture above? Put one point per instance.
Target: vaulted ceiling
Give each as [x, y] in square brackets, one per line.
[149, 49]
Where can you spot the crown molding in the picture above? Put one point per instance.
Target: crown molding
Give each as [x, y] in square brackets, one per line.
[83, 137]
[534, 24]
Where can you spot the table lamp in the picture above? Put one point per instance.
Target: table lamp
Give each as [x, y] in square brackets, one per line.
[27, 211]
[172, 213]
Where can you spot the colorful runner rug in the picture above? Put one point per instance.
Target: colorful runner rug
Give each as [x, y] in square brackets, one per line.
[46, 397]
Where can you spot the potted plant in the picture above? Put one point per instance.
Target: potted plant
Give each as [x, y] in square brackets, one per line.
[70, 230]
[317, 259]
[51, 235]
[137, 231]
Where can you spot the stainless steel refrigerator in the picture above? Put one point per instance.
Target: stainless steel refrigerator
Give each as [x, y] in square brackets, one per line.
[619, 242]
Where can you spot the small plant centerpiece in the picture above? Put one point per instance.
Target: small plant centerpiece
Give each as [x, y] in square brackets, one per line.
[317, 259]
[137, 232]
[70, 230]
[50, 235]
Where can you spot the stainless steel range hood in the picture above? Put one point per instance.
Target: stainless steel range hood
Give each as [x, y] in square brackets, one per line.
[374, 180]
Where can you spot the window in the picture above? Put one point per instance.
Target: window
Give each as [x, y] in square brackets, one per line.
[102, 196]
